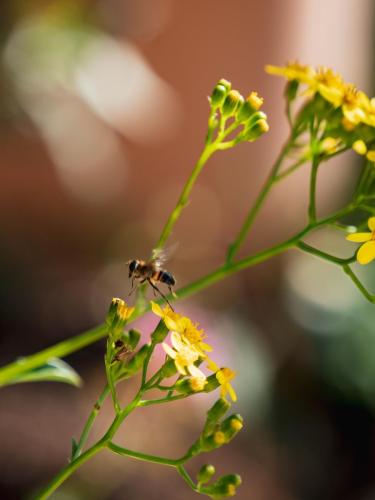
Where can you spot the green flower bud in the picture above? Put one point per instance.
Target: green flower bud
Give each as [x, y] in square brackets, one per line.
[205, 474]
[291, 90]
[250, 106]
[231, 426]
[224, 487]
[214, 414]
[253, 133]
[232, 102]
[213, 441]
[136, 363]
[218, 95]
[133, 338]
[160, 332]
[190, 385]
[169, 368]
[212, 383]
[117, 316]
[183, 386]
[225, 83]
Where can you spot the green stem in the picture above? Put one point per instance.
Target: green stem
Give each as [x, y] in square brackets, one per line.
[150, 402]
[59, 350]
[184, 197]
[145, 457]
[370, 297]
[285, 173]
[323, 255]
[343, 263]
[183, 473]
[235, 246]
[90, 422]
[312, 198]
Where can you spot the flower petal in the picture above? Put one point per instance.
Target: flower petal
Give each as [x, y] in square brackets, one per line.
[371, 223]
[366, 253]
[359, 237]
[205, 347]
[195, 371]
[176, 341]
[232, 392]
[180, 368]
[171, 323]
[168, 349]
[211, 365]
[156, 309]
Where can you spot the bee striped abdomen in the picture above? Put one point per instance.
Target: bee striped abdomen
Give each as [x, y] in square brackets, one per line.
[164, 277]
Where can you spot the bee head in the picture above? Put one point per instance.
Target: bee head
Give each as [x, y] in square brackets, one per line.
[133, 264]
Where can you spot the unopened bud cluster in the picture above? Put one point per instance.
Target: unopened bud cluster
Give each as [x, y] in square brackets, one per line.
[223, 487]
[231, 104]
[217, 432]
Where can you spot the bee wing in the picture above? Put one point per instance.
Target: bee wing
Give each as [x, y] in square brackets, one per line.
[161, 255]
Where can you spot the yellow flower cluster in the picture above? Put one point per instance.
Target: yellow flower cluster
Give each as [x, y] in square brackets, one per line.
[187, 349]
[356, 107]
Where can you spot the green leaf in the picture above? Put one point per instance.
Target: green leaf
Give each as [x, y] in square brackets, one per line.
[55, 370]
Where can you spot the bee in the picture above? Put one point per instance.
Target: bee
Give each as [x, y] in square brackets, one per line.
[152, 272]
[124, 351]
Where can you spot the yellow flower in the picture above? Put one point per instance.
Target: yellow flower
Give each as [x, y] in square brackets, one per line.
[354, 104]
[330, 145]
[292, 71]
[166, 314]
[184, 356]
[366, 252]
[369, 118]
[188, 330]
[197, 383]
[329, 85]
[224, 376]
[123, 311]
[359, 147]
[371, 155]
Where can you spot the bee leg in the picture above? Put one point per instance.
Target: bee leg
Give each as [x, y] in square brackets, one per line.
[173, 293]
[160, 292]
[133, 287]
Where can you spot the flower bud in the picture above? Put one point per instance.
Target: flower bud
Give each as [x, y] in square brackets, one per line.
[232, 102]
[218, 96]
[136, 363]
[258, 129]
[213, 441]
[169, 368]
[190, 385]
[224, 487]
[329, 145]
[160, 332]
[117, 315]
[225, 83]
[214, 414]
[291, 90]
[359, 147]
[231, 426]
[205, 474]
[249, 107]
[133, 338]
[212, 383]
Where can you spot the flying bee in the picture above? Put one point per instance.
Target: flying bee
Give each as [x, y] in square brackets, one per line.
[152, 272]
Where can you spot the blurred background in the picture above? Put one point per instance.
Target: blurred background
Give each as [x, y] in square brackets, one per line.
[103, 113]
